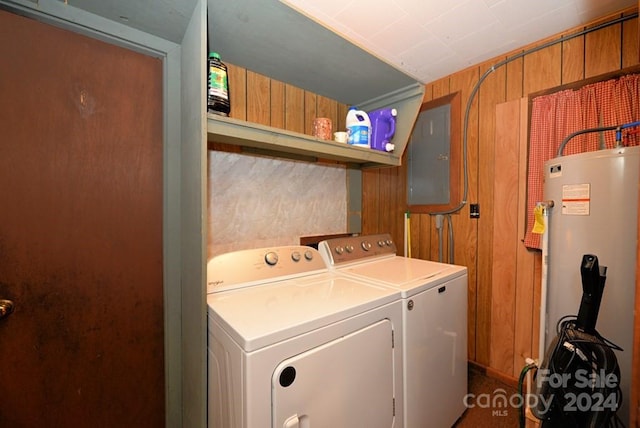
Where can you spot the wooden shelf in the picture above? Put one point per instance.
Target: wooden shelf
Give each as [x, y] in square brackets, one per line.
[260, 139]
[271, 141]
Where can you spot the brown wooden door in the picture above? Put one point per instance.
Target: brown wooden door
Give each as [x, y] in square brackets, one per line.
[80, 230]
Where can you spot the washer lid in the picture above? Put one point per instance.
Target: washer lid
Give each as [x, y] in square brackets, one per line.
[408, 275]
[267, 314]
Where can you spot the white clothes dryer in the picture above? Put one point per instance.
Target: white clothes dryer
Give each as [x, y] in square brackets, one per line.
[294, 345]
[434, 300]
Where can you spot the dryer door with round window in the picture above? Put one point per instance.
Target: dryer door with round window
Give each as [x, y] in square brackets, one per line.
[345, 383]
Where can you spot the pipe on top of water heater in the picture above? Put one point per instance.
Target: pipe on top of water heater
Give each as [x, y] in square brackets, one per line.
[617, 128]
[619, 131]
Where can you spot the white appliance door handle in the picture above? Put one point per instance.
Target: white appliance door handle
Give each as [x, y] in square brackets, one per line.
[292, 422]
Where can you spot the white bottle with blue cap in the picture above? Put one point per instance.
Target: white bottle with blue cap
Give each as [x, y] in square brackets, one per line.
[358, 127]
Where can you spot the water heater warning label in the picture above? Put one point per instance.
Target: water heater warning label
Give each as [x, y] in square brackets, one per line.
[576, 199]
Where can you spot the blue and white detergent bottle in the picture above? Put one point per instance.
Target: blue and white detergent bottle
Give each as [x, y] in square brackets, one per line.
[358, 127]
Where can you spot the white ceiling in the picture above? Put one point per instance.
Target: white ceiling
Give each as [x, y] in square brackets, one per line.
[429, 39]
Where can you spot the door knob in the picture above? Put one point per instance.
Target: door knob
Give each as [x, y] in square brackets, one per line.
[6, 308]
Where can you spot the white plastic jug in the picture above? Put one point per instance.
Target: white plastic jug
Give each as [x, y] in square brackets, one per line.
[358, 128]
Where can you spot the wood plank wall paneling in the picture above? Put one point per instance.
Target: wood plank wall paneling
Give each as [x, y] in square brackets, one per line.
[327, 108]
[370, 200]
[277, 104]
[630, 50]
[259, 99]
[569, 61]
[295, 103]
[505, 236]
[573, 60]
[387, 181]
[465, 228]
[514, 329]
[490, 94]
[310, 111]
[237, 91]
[514, 79]
[603, 51]
[542, 69]
[526, 324]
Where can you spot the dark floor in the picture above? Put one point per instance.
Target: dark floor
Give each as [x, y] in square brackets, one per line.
[484, 405]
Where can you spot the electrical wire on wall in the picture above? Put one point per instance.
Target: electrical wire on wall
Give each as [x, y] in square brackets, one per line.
[473, 94]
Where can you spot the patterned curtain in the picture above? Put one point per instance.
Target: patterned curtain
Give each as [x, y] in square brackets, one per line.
[554, 117]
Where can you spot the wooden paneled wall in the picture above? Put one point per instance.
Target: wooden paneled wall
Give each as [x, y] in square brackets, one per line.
[259, 99]
[514, 319]
[503, 275]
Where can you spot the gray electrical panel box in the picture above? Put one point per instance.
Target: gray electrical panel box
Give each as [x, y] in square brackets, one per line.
[428, 158]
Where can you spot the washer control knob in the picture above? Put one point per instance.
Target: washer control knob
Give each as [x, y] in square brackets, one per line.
[366, 245]
[308, 255]
[381, 243]
[389, 242]
[271, 258]
[339, 250]
[295, 256]
[349, 248]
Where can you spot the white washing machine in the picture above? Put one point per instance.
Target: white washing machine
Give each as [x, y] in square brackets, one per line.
[293, 345]
[434, 300]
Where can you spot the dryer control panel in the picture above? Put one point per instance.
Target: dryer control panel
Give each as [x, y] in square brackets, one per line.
[245, 268]
[339, 251]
